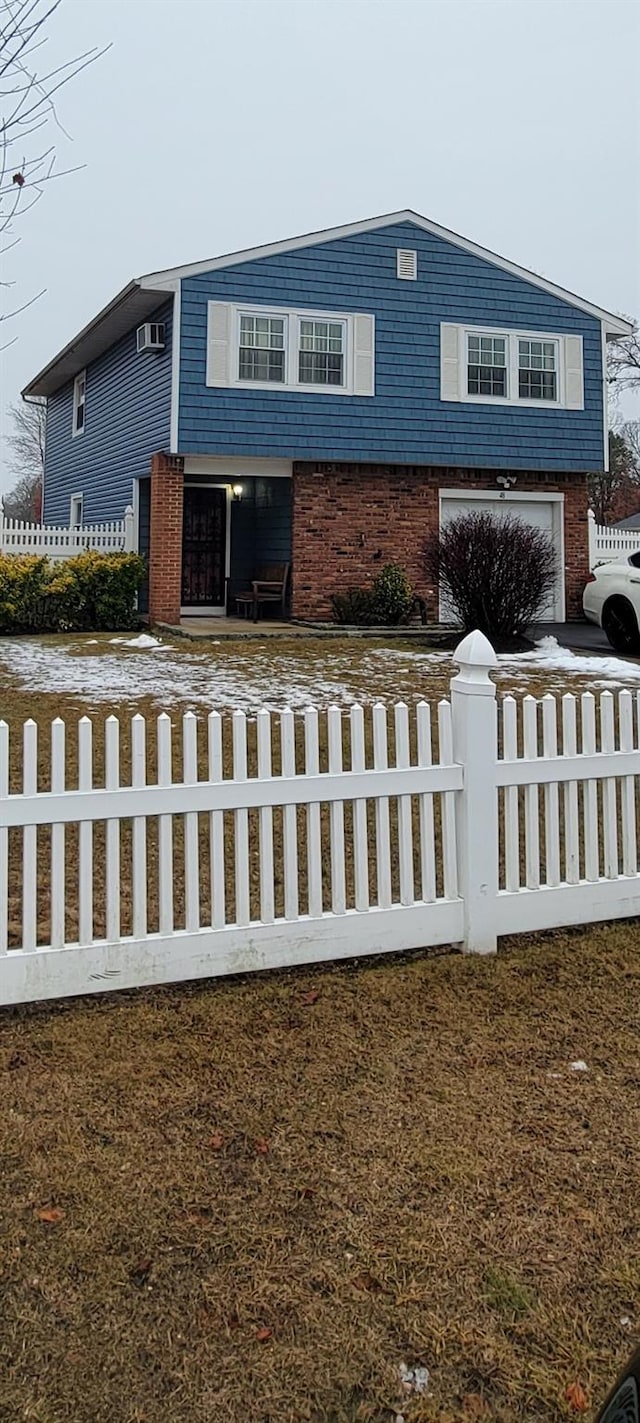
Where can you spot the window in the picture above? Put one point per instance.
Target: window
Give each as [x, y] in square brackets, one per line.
[262, 348]
[321, 353]
[537, 370]
[287, 350]
[487, 365]
[518, 368]
[76, 511]
[79, 402]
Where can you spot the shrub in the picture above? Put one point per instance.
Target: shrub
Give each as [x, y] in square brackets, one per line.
[354, 607]
[93, 592]
[497, 573]
[386, 603]
[392, 595]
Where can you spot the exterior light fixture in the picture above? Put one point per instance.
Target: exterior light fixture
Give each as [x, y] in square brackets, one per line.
[237, 491]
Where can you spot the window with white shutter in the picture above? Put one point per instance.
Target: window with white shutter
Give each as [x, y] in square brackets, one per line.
[277, 349]
[497, 367]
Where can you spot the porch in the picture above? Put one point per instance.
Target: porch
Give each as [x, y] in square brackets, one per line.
[207, 533]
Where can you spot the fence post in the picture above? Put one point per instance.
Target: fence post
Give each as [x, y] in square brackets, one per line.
[593, 555]
[129, 529]
[475, 747]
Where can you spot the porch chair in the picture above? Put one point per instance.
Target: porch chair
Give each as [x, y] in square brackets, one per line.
[268, 586]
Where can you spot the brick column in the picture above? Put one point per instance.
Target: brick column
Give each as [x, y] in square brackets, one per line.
[165, 543]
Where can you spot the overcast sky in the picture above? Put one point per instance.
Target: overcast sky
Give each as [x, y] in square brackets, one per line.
[213, 125]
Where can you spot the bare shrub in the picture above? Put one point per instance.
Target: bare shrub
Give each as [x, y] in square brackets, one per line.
[496, 572]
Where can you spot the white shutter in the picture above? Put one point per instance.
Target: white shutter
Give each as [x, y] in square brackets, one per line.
[364, 355]
[449, 362]
[219, 343]
[573, 373]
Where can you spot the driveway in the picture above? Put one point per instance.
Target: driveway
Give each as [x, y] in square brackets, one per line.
[580, 637]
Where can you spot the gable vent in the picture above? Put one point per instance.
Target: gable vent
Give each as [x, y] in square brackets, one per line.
[407, 264]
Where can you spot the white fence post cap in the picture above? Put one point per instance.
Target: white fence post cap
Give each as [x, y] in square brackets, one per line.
[475, 658]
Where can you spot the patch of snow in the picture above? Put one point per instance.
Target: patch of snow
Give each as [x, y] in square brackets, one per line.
[548, 655]
[145, 639]
[579, 1065]
[415, 1380]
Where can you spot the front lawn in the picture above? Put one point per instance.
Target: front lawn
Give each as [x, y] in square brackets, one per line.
[256, 1200]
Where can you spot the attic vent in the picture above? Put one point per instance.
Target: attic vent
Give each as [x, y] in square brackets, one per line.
[150, 337]
[407, 264]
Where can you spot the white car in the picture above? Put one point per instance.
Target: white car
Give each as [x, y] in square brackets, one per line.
[612, 600]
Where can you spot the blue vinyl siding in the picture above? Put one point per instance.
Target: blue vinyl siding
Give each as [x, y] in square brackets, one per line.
[127, 419]
[405, 422]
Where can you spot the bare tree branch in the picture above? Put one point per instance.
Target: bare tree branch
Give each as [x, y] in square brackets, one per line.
[26, 459]
[623, 364]
[27, 107]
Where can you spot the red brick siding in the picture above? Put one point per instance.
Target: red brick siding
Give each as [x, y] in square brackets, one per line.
[349, 520]
[165, 552]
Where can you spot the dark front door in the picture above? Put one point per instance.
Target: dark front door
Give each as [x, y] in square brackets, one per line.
[204, 538]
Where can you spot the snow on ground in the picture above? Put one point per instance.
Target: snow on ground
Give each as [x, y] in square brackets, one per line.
[249, 675]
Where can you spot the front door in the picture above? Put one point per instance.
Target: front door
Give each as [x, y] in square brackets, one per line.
[204, 547]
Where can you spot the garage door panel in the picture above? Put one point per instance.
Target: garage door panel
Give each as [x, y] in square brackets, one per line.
[543, 514]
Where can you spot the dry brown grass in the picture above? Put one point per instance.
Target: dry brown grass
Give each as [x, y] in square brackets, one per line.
[381, 1163]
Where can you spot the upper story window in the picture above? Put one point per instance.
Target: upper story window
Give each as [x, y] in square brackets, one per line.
[321, 353]
[517, 368]
[279, 349]
[261, 353]
[486, 365]
[537, 370]
[79, 402]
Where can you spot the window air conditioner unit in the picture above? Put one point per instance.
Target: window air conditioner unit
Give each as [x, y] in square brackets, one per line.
[150, 337]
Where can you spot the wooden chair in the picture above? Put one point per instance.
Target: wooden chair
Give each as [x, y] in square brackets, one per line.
[268, 586]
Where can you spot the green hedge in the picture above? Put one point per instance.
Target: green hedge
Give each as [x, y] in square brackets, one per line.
[94, 592]
[386, 604]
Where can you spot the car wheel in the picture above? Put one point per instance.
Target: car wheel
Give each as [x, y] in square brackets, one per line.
[620, 626]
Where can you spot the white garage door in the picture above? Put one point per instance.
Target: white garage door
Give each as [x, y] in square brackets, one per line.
[545, 514]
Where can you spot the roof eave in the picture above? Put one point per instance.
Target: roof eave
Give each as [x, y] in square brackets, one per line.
[115, 319]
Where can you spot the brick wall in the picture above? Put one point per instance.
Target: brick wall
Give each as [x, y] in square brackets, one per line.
[349, 520]
[165, 551]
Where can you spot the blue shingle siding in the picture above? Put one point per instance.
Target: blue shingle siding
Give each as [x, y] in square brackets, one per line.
[127, 418]
[405, 422]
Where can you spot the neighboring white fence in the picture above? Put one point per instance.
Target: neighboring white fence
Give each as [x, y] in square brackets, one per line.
[288, 840]
[607, 544]
[56, 542]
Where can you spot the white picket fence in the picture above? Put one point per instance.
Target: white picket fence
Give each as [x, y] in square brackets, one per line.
[286, 840]
[607, 544]
[56, 542]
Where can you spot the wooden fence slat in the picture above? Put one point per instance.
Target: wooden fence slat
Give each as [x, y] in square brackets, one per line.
[29, 839]
[164, 732]
[609, 790]
[191, 842]
[4, 839]
[511, 806]
[139, 829]
[590, 790]
[405, 826]
[85, 834]
[58, 868]
[360, 836]
[383, 835]
[265, 829]
[336, 815]
[216, 825]
[314, 830]
[425, 807]
[531, 796]
[628, 789]
[449, 852]
[289, 817]
[551, 802]
[112, 834]
[571, 814]
[241, 822]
